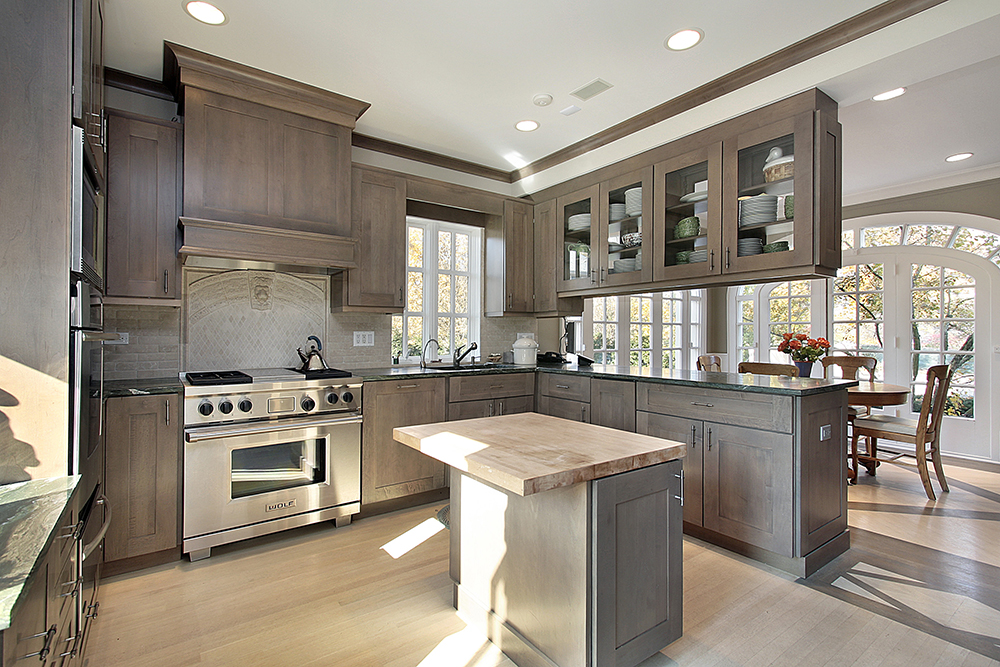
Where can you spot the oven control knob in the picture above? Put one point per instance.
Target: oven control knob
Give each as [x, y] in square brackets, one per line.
[226, 406]
[205, 408]
[332, 398]
[245, 405]
[347, 397]
[308, 404]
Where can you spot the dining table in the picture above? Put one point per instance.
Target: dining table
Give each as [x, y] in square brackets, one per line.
[874, 395]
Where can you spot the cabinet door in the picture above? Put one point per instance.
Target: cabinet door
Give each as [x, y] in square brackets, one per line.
[566, 409]
[623, 239]
[747, 486]
[514, 405]
[390, 469]
[688, 186]
[378, 202]
[509, 263]
[249, 163]
[691, 432]
[612, 404]
[756, 218]
[95, 127]
[471, 409]
[26, 634]
[143, 205]
[142, 476]
[577, 222]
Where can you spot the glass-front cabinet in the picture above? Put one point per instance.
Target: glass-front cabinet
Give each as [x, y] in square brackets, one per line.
[626, 201]
[767, 172]
[688, 215]
[578, 222]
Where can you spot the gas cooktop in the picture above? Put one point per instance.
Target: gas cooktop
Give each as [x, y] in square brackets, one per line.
[251, 375]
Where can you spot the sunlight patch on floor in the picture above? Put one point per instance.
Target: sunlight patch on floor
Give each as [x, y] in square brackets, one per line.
[465, 648]
[413, 538]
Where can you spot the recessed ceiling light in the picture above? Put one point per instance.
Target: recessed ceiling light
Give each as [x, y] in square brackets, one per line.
[527, 125]
[958, 157]
[684, 39]
[889, 94]
[205, 12]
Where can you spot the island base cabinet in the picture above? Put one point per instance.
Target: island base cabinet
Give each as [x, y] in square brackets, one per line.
[587, 574]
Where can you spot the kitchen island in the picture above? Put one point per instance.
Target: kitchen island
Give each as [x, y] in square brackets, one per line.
[565, 537]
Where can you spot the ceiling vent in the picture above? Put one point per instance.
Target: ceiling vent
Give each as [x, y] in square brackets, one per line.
[592, 89]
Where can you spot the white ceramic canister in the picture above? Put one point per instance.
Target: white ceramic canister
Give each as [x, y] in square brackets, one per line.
[525, 351]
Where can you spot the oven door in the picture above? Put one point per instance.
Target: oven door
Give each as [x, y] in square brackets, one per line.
[242, 474]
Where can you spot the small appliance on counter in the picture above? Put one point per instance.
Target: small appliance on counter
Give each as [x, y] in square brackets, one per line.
[525, 350]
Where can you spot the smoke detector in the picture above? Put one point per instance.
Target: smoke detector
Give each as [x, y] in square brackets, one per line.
[542, 100]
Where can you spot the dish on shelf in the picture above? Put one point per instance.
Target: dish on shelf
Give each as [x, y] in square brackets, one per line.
[683, 257]
[694, 196]
[617, 211]
[698, 256]
[701, 242]
[632, 239]
[687, 227]
[633, 201]
[777, 246]
[615, 247]
[623, 265]
[575, 223]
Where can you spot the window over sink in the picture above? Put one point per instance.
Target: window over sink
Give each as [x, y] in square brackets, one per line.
[443, 289]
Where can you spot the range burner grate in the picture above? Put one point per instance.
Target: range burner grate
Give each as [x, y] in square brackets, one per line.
[322, 373]
[206, 378]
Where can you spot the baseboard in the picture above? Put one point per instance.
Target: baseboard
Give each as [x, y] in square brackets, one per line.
[124, 565]
[802, 566]
[404, 502]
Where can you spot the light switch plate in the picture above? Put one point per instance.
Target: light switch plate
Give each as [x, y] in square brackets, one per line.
[364, 339]
[825, 432]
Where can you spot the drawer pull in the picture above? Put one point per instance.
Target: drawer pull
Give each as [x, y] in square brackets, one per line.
[704, 405]
[496, 386]
[562, 386]
[406, 386]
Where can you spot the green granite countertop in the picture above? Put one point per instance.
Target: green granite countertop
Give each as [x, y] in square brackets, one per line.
[145, 387]
[29, 513]
[729, 381]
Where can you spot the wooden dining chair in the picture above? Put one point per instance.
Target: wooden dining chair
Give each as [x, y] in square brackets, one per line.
[924, 433]
[849, 367]
[768, 369]
[709, 362]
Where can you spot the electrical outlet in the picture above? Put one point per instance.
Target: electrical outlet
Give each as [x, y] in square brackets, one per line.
[825, 432]
[122, 339]
[364, 339]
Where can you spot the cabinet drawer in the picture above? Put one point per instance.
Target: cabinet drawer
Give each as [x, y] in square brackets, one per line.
[739, 408]
[403, 385]
[501, 385]
[564, 408]
[564, 386]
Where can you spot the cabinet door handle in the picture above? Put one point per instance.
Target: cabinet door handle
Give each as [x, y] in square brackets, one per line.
[704, 405]
[401, 295]
[711, 266]
[693, 432]
[168, 411]
[709, 439]
[406, 386]
[681, 477]
[602, 275]
[501, 407]
[491, 408]
[166, 273]
[727, 259]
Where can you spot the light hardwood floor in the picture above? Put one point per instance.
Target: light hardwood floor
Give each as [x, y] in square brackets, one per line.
[920, 586]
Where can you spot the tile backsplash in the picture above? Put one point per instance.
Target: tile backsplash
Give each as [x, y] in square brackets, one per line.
[252, 319]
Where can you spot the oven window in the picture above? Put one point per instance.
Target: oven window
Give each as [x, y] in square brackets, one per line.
[257, 470]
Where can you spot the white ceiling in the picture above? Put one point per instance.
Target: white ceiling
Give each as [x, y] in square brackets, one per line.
[452, 76]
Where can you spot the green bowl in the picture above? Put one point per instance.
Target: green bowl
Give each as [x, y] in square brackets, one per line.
[684, 257]
[777, 246]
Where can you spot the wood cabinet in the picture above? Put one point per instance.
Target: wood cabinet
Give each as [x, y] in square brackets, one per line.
[510, 261]
[546, 266]
[389, 469]
[763, 471]
[612, 404]
[142, 474]
[144, 172]
[472, 396]
[565, 396]
[27, 636]
[88, 77]
[378, 222]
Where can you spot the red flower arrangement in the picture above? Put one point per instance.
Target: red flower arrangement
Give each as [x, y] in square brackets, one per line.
[802, 347]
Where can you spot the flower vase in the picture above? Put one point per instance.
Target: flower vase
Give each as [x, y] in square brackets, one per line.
[805, 368]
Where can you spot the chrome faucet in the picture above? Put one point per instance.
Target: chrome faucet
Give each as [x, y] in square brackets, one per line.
[423, 363]
[462, 355]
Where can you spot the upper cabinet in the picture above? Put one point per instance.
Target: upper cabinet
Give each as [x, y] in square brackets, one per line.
[378, 201]
[88, 77]
[267, 163]
[753, 199]
[143, 204]
[547, 265]
[509, 261]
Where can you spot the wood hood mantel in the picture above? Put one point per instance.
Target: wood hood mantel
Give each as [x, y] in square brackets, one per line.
[267, 163]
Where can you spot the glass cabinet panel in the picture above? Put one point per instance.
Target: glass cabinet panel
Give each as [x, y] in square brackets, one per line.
[578, 223]
[625, 218]
[766, 208]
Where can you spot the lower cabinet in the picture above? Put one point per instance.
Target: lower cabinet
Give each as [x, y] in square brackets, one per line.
[473, 396]
[143, 474]
[690, 432]
[598, 401]
[389, 469]
[612, 404]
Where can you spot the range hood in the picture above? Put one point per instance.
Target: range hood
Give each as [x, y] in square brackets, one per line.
[267, 164]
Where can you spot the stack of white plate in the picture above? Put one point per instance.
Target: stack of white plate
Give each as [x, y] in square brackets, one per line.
[577, 222]
[700, 242]
[758, 210]
[617, 211]
[633, 201]
[699, 255]
[697, 195]
[624, 265]
[746, 247]
[638, 260]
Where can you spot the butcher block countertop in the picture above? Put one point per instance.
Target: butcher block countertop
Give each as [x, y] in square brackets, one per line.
[529, 453]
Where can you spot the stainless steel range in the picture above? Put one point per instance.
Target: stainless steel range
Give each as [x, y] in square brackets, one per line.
[267, 450]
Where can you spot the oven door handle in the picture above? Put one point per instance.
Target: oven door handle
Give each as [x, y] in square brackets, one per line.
[195, 436]
[89, 548]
